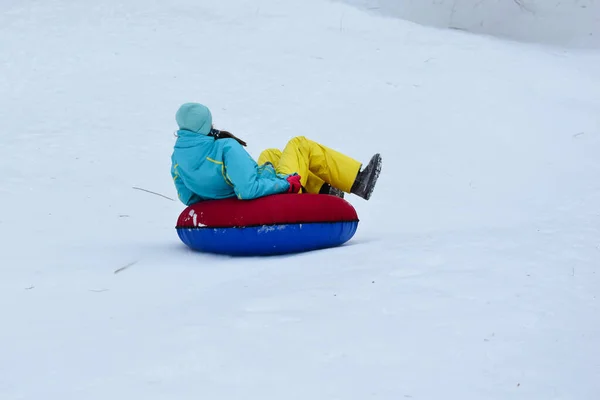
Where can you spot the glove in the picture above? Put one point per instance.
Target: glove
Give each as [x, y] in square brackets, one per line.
[295, 185]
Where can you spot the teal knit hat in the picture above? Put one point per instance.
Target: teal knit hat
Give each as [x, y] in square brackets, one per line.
[194, 117]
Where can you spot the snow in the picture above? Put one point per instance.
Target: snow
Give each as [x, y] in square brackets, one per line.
[558, 22]
[473, 273]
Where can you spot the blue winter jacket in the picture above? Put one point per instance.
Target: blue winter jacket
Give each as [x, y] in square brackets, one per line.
[205, 169]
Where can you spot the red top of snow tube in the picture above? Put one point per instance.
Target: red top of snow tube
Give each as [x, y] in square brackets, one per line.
[268, 210]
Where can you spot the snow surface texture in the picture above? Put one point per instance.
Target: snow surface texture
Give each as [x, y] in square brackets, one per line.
[556, 22]
[474, 270]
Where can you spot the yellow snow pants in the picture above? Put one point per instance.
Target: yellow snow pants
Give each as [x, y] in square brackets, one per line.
[315, 163]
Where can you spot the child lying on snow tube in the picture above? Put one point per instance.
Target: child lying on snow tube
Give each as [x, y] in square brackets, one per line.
[208, 164]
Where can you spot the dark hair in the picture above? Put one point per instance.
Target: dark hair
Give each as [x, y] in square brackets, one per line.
[218, 134]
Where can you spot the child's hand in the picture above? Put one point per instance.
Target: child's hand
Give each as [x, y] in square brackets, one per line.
[295, 185]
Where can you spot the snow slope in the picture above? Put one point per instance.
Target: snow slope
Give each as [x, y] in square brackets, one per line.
[473, 274]
[571, 23]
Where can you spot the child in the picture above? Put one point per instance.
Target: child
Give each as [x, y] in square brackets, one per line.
[209, 164]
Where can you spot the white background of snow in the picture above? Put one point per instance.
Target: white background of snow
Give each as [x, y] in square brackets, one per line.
[474, 271]
[558, 22]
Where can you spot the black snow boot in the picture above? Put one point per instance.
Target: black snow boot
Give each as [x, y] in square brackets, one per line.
[328, 189]
[366, 179]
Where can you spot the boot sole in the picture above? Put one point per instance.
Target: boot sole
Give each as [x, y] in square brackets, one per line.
[373, 176]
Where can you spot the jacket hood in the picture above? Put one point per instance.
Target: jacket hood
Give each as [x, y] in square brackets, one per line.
[194, 117]
[186, 139]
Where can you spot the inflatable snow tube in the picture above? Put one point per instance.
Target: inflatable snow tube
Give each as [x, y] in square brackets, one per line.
[278, 224]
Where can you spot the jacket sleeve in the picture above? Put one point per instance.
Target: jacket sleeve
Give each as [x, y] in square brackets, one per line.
[243, 173]
[185, 195]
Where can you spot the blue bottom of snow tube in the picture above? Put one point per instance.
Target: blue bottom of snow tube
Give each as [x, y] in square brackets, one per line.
[268, 239]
